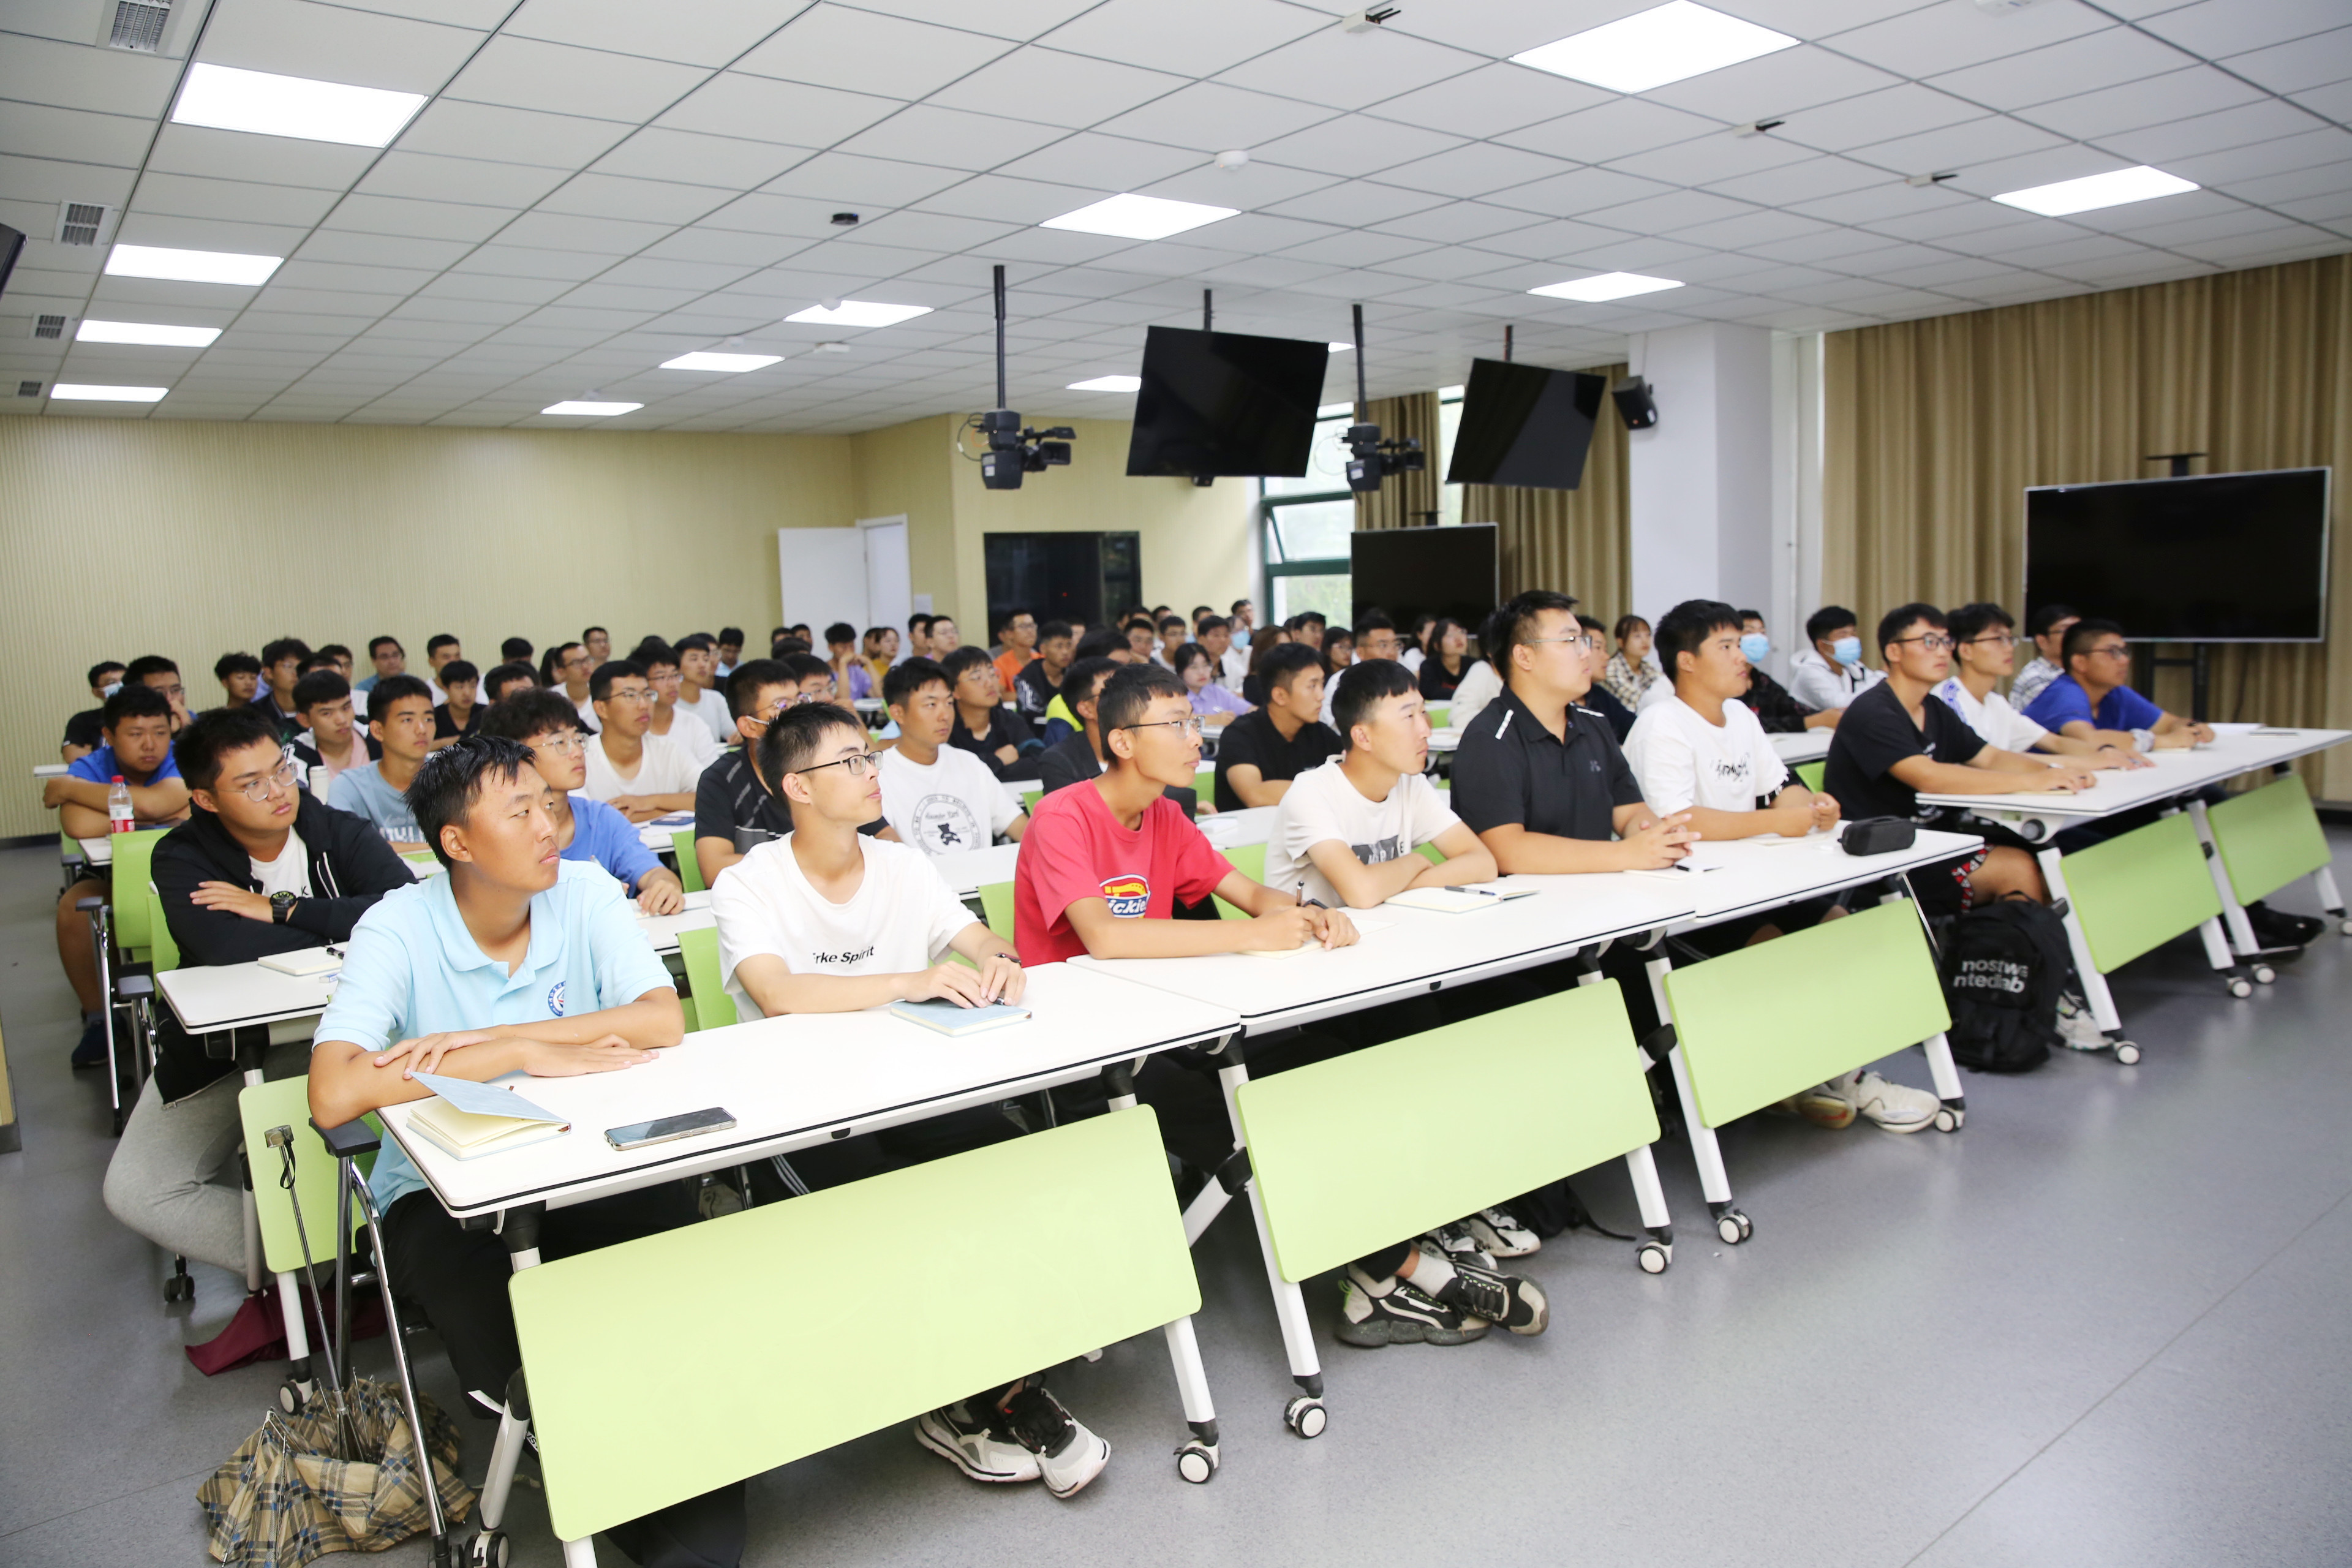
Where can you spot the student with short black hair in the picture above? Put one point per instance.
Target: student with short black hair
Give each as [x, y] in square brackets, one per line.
[506, 679]
[983, 726]
[1598, 699]
[341, 658]
[879, 648]
[2047, 625]
[1080, 758]
[515, 961]
[1344, 647]
[918, 636]
[599, 644]
[1780, 712]
[1829, 674]
[239, 674]
[1040, 681]
[1173, 634]
[1228, 658]
[938, 798]
[1260, 752]
[640, 774]
[2093, 700]
[850, 676]
[161, 675]
[461, 710]
[1017, 632]
[698, 697]
[567, 664]
[585, 828]
[331, 740]
[1984, 648]
[259, 867]
[730, 653]
[385, 657]
[282, 665]
[662, 673]
[946, 637]
[400, 718]
[85, 731]
[439, 651]
[515, 650]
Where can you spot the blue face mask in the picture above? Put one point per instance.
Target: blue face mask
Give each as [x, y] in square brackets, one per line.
[1846, 650]
[1755, 644]
[111, 688]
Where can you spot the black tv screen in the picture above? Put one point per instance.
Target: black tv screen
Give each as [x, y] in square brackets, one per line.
[11, 245]
[1524, 425]
[2211, 558]
[1410, 572]
[1225, 404]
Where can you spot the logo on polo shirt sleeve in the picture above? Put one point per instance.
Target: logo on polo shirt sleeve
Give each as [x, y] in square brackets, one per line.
[1128, 895]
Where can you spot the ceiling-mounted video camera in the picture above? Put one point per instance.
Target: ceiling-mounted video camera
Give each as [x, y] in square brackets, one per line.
[1013, 449]
[1370, 458]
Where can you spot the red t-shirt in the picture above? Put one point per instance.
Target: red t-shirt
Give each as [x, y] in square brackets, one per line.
[1076, 848]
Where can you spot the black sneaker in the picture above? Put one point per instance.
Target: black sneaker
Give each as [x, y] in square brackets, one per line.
[91, 1051]
[1518, 1304]
[1068, 1455]
[2276, 928]
[1392, 1312]
[1458, 1244]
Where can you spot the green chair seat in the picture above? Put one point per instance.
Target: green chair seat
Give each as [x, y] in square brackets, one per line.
[2268, 837]
[1249, 860]
[286, 1102]
[2139, 891]
[713, 1007]
[690, 869]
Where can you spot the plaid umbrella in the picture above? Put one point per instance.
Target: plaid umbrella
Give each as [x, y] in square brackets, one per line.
[290, 1494]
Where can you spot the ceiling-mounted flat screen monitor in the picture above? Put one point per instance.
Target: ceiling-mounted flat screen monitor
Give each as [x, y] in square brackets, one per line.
[2211, 558]
[12, 246]
[1524, 425]
[1225, 404]
[1409, 571]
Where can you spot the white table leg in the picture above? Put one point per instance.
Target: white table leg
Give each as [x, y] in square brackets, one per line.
[2233, 915]
[1290, 1302]
[2094, 984]
[1196, 1460]
[1713, 1182]
[579, 1554]
[1658, 1249]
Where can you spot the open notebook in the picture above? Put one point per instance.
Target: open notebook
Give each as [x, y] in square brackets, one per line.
[470, 1120]
[948, 1018]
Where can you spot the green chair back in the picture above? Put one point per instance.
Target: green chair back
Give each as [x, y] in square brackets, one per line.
[1031, 796]
[1441, 715]
[692, 1019]
[771, 1372]
[1810, 774]
[996, 908]
[690, 869]
[1761, 1024]
[713, 1008]
[1577, 1097]
[164, 952]
[1249, 860]
[286, 1102]
[2268, 837]
[2141, 890]
[134, 858]
[1205, 782]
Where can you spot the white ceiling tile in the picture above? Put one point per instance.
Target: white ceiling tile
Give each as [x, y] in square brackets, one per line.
[1003, 198]
[2327, 145]
[375, 215]
[38, 130]
[1947, 36]
[691, 157]
[2325, 180]
[2209, 225]
[1956, 147]
[1830, 248]
[2085, 248]
[1876, 117]
[185, 195]
[472, 181]
[1676, 210]
[1546, 241]
[1197, 39]
[503, 260]
[1615, 130]
[1579, 191]
[669, 272]
[1354, 145]
[1459, 222]
[272, 160]
[707, 33]
[648, 201]
[292, 38]
[1254, 185]
[1944, 218]
[2133, 217]
[1491, 100]
[1475, 169]
[75, 76]
[1504, 27]
[1057, 88]
[2268, 121]
[863, 51]
[804, 218]
[2154, 101]
[2219, 28]
[1774, 85]
[2077, 66]
[209, 234]
[1941, 274]
[1351, 70]
[1209, 117]
[1814, 178]
[1097, 162]
[1452, 263]
[34, 183]
[2303, 64]
[923, 231]
[595, 236]
[288, 298]
[862, 184]
[1892, 199]
[516, 136]
[1260, 234]
[951, 138]
[760, 109]
[2267, 248]
[1356, 248]
[2333, 103]
[1356, 202]
[1712, 160]
[1018, 19]
[557, 78]
[1749, 229]
[381, 249]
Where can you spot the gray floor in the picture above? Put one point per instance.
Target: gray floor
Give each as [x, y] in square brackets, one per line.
[2106, 1324]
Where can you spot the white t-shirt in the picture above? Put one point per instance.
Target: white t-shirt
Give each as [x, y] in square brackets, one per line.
[711, 710]
[586, 708]
[1683, 761]
[1480, 685]
[695, 741]
[1657, 691]
[290, 873]
[665, 769]
[1994, 721]
[951, 805]
[1322, 804]
[1817, 683]
[901, 918]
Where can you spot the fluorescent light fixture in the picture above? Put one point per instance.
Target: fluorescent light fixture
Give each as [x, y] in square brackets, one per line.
[1139, 218]
[732, 364]
[1328, 409]
[153, 334]
[592, 410]
[1605, 286]
[108, 394]
[1109, 383]
[230, 100]
[1341, 348]
[190, 266]
[2093, 191]
[859, 313]
[1653, 48]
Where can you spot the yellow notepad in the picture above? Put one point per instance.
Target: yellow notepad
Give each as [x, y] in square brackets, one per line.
[469, 1136]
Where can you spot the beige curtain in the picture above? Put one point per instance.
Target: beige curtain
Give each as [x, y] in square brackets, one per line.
[1934, 429]
[1571, 540]
[1405, 501]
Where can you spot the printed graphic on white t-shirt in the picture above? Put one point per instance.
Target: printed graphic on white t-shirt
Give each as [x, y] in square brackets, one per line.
[945, 823]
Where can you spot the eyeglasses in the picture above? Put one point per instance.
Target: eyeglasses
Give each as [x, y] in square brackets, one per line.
[2112, 650]
[289, 773]
[1994, 639]
[861, 765]
[1933, 642]
[628, 694]
[1191, 726]
[570, 746]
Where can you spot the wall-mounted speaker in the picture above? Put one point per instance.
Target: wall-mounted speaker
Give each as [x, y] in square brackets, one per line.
[1636, 402]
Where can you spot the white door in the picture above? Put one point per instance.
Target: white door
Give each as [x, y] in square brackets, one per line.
[889, 580]
[823, 574]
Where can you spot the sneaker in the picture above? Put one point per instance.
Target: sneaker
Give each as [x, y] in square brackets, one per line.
[2276, 928]
[91, 1052]
[986, 1451]
[1499, 1231]
[2077, 1030]
[1068, 1455]
[1458, 1244]
[1392, 1312]
[1893, 1105]
[1481, 1293]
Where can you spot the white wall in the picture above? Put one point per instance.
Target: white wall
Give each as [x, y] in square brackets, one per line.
[1702, 491]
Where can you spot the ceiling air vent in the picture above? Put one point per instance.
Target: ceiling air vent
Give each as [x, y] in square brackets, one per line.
[49, 327]
[81, 223]
[28, 389]
[139, 26]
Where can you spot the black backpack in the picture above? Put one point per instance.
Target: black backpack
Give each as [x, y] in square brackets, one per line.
[2003, 968]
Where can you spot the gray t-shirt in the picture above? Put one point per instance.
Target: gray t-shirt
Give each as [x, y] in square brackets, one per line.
[362, 792]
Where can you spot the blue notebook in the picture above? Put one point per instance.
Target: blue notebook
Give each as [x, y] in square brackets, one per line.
[948, 1018]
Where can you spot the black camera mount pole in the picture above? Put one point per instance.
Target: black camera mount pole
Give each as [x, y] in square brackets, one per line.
[1001, 399]
[1506, 342]
[1363, 404]
[1208, 311]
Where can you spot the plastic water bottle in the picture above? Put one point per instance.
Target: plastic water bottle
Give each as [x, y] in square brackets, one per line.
[118, 806]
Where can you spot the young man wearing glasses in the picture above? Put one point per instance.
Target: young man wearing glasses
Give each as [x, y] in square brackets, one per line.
[998, 736]
[938, 798]
[2095, 696]
[1984, 648]
[400, 718]
[259, 867]
[585, 828]
[693, 737]
[640, 774]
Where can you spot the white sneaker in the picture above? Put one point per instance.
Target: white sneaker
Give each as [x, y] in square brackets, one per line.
[1069, 1454]
[1502, 1233]
[2076, 1028]
[1892, 1105]
[973, 1446]
[1457, 1244]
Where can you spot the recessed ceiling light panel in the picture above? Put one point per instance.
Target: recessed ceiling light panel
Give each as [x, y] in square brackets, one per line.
[732, 364]
[152, 334]
[1605, 286]
[108, 394]
[859, 313]
[1139, 218]
[2095, 191]
[228, 100]
[190, 266]
[1650, 48]
[590, 410]
[1341, 348]
[1109, 383]
[1329, 409]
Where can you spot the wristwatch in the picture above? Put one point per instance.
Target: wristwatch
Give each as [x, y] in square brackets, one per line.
[280, 906]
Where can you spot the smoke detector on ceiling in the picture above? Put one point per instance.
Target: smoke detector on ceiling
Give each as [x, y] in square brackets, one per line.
[1369, 20]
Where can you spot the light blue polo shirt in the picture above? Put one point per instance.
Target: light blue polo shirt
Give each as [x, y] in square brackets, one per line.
[603, 836]
[411, 968]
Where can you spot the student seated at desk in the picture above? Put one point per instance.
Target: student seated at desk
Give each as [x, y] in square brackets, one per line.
[1217, 706]
[461, 707]
[512, 676]
[1829, 674]
[385, 657]
[939, 799]
[640, 774]
[585, 828]
[85, 729]
[983, 726]
[567, 664]
[135, 727]
[1103, 645]
[851, 677]
[1260, 752]
[331, 738]
[239, 674]
[281, 667]
[1040, 681]
[514, 961]
[1599, 698]
[662, 673]
[261, 866]
[2093, 701]
[2047, 624]
[1080, 759]
[400, 721]
[1984, 648]
[698, 696]
[1780, 712]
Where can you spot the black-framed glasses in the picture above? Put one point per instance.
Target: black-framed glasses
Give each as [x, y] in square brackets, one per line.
[861, 765]
[1994, 639]
[1934, 642]
[2112, 650]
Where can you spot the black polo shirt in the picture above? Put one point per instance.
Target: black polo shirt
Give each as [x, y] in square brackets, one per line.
[1252, 739]
[1874, 735]
[1510, 770]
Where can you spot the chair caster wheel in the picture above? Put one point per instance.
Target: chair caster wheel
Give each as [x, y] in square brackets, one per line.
[1653, 1256]
[1734, 1227]
[2127, 1053]
[1305, 1415]
[2241, 987]
[293, 1395]
[2264, 974]
[2346, 926]
[489, 1550]
[1948, 1118]
[1196, 1462]
[179, 1287]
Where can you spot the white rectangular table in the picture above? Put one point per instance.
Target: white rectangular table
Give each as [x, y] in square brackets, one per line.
[1796, 746]
[211, 997]
[50, 770]
[659, 835]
